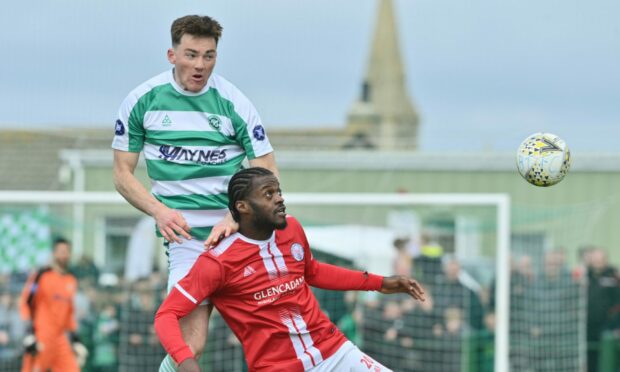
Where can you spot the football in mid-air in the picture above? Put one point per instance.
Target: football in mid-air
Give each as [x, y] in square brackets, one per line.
[543, 159]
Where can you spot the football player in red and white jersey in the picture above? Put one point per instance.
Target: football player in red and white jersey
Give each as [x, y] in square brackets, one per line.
[259, 280]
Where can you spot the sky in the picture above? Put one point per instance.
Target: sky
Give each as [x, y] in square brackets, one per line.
[483, 74]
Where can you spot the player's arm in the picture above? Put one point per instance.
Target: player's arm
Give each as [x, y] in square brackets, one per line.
[267, 161]
[205, 277]
[26, 302]
[189, 365]
[326, 276]
[221, 230]
[175, 306]
[169, 221]
[24, 306]
[70, 321]
[80, 351]
[76, 343]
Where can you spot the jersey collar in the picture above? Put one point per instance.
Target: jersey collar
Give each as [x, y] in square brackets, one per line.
[272, 239]
[182, 91]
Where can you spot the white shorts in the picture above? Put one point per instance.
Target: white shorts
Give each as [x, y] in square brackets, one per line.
[349, 358]
[181, 258]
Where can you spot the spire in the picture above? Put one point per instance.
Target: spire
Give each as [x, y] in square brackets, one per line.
[384, 113]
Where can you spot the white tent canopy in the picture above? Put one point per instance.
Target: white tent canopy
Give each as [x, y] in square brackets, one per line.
[371, 248]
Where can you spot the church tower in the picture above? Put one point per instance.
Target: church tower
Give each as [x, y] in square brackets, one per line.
[384, 117]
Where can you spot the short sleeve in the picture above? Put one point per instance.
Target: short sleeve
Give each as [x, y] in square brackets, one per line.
[249, 130]
[129, 130]
[203, 279]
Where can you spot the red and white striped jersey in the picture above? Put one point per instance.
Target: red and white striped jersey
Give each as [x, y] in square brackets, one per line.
[261, 288]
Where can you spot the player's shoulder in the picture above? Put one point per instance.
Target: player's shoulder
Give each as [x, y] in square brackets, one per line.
[69, 281]
[147, 86]
[71, 277]
[40, 273]
[223, 85]
[228, 90]
[293, 222]
[223, 248]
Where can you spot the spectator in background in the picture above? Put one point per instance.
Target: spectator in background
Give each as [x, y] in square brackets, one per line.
[450, 337]
[580, 272]
[416, 337]
[392, 316]
[47, 302]
[459, 310]
[402, 262]
[11, 332]
[522, 276]
[139, 347]
[525, 270]
[522, 280]
[350, 321]
[428, 263]
[105, 339]
[553, 309]
[556, 259]
[603, 300]
[227, 354]
[373, 327]
[452, 291]
[85, 271]
[85, 314]
[419, 319]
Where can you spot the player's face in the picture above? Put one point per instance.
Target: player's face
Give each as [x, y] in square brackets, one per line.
[267, 203]
[62, 255]
[193, 60]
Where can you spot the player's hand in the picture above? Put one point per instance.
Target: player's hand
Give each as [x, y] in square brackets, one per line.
[81, 353]
[221, 230]
[189, 365]
[402, 284]
[171, 224]
[31, 346]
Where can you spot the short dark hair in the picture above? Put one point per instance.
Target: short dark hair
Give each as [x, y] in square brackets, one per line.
[60, 240]
[240, 186]
[195, 25]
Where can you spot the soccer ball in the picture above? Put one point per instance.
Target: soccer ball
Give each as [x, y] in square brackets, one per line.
[543, 159]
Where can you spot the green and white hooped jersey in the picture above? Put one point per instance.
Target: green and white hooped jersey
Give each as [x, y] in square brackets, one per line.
[193, 143]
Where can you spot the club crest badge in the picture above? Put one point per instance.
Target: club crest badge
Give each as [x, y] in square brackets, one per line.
[119, 128]
[215, 122]
[297, 251]
[259, 132]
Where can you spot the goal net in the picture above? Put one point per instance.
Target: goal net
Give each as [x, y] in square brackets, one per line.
[501, 295]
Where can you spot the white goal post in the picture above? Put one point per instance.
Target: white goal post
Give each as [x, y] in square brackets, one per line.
[501, 201]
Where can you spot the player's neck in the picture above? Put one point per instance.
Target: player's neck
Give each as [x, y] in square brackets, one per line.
[254, 233]
[59, 269]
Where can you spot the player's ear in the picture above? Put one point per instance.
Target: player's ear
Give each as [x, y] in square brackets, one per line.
[242, 206]
[172, 58]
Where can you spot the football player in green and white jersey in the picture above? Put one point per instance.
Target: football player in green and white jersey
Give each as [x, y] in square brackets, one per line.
[195, 129]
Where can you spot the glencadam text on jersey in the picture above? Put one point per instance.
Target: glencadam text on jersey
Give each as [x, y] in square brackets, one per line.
[277, 290]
